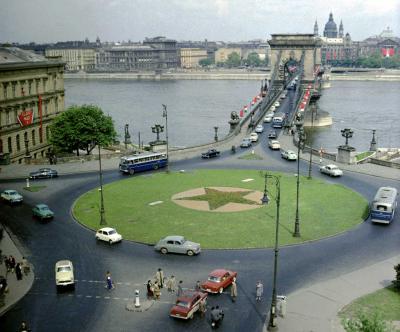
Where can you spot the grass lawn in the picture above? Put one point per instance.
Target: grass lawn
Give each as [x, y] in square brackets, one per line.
[251, 156]
[34, 188]
[364, 155]
[385, 301]
[325, 209]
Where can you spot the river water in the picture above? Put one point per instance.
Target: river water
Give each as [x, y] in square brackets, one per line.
[196, 106]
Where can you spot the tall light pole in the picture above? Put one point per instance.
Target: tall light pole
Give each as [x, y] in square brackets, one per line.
[272, 324]
[102, 211]
[165, 115]
[312, 129]
[300, 133]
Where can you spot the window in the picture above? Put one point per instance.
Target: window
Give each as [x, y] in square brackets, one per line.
[13, 89]
[41, 135]
[5, 86]
[18, 141]
[9, 145]
[29, 87]
[33, 137]
[1, 146]
[37, 86]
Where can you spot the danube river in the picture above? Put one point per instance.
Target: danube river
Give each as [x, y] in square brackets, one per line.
[195, 107]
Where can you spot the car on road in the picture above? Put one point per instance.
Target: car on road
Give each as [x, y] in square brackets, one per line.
[254, 137]
[177, 244]
[283, 96]
[64, 274]
[331, 170]
[277, 104]
[109, 235]
[210, 154]
[246, 142]
[288, 155]
[42, 212]
[187, 304]
[43, 173]
[272, 108]
[12, 196]
[274, 144]
[272, 134]
[259, 129]
[218, 280]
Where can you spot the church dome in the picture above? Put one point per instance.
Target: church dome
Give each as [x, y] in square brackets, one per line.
[330, 30]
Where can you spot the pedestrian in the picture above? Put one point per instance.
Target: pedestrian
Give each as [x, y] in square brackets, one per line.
[25, 266]
[18, 271]
[259, 290]
[234, 290]
[149, 286]
[180, 289]
[202, 308]
[109, 282]
[157, 291]
[160, 277]
[171, 284]
[197, 287]
[11, 261]
[24, 327]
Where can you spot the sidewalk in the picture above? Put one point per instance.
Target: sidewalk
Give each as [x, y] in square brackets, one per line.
[315, 308]
[17, 288]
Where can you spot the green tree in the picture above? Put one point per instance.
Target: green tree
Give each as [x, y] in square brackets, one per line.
[81, 128]
[364, 322]
[233, 60]
[396, 282]
[205, 62]
[253, 59]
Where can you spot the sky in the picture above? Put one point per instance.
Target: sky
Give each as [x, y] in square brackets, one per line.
[215, 20]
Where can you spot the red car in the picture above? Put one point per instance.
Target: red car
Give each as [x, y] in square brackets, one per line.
[187, 304]
[218, 280]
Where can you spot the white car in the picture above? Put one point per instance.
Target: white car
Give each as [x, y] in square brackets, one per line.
[253, 137]
[64, 274]
[268, 117]
[277, 104]
[272, 109]
[274, 145]
[283, 96]
[288, 155]
[259, 129]
[12, 196]
[109, 235]
[331, 170]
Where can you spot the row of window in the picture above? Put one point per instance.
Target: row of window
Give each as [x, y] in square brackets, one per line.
[25, 88]
[34, 134]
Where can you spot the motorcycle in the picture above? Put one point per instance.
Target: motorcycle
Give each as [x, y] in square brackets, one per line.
[217, 315]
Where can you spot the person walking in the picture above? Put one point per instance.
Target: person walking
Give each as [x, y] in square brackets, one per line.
[160, 277]
[202, 308]
[259, 290]
[109, 282]
[25, 266]
[197, 287]
[157, 291]
[18, 271]
[171, 284]
[180, 289]
[150, 293]
[233, 290]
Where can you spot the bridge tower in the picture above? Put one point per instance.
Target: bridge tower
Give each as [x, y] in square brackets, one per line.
[305, 49]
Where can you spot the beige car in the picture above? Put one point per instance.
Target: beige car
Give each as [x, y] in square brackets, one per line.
[64, 274]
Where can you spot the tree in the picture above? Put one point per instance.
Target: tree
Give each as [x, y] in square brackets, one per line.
[396, 282]
[81, 128]
[233, 60]
[253, 59]
[205, 62]
[364, 322]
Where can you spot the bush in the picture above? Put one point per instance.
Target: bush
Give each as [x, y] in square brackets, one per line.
[396, 282]
[366, 323]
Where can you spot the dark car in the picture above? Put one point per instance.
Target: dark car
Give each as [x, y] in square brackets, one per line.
[43, 173]
[272, 134]
[210, 154]
[42, 212]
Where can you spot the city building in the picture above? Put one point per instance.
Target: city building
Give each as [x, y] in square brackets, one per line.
[386, 44]
[222, 53]
[190, 57]
[165, 51]
[31, 96]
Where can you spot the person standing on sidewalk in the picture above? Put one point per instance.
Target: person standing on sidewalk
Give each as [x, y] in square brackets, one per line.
[18, 271]
[160, 277]
[233, 290]
[259, 290]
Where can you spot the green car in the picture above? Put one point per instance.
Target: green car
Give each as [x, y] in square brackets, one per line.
[42, 211]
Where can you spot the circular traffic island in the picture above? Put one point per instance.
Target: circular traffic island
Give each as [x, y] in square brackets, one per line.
[221, 208]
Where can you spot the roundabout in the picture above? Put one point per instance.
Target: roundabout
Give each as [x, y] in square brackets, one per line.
[221, 209]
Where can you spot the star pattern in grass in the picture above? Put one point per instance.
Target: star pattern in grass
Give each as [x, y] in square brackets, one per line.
[217, 198]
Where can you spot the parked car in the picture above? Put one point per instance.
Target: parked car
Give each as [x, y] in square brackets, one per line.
[274, 144]
[210, 154]
[177, 244]
[42, 211]
[259, 129]
[253, 137]
[272, 134]
[246, 142]
[331, 170]
[109, 235]
[187, 304]
[12, 196]
[43, 173]
[218, 280]
[64, 274]
[288, 155]
[277, 104]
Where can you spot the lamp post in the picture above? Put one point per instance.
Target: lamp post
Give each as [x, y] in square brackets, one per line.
[127, 138]
[102, 211]
[272, 324]
[157, 129]
[216, 134]
[301, 137]
[165, 115]
[312, 129]
[347, 133]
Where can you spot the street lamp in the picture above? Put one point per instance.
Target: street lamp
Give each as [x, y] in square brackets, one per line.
[347, 133]
[312, 129]
[165, 115]
[127, 137]
[301, 138]
[157, 129]
[102, 211]
[216, 134]
[272, 324]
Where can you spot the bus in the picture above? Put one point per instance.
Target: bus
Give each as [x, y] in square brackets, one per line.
[384, 205]
[278, 120]
[142, 162]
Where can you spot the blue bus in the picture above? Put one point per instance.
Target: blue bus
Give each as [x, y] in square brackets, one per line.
[142, 162]
[384, 205]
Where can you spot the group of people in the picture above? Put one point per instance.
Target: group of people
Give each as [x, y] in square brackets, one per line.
[19, 268]
[160, 281]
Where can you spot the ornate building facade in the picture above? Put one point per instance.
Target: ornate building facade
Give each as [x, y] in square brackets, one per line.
[31, 96]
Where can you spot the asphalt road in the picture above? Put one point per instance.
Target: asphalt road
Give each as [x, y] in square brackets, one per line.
[93, 308]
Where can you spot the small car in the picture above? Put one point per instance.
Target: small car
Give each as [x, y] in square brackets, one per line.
[187, 304]
[272, 108]
[274, 145]
[64, 274]
[259, 129]
[246, 142]
[42, 211]
[109, 235]
[12, 196]
[277, 104]
[283, 96]
[272, 134]
[331, 170]
[210, 154]
[288, 155]
[177, 244]
[253, 137]
[43, 173]
[218, 280]
[268, 117]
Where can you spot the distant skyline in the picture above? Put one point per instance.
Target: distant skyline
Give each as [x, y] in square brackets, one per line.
[216, 20]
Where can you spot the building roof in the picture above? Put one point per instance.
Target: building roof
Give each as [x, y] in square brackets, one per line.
[13, 57]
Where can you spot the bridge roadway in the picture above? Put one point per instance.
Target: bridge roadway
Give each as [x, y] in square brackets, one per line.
[92, 308]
